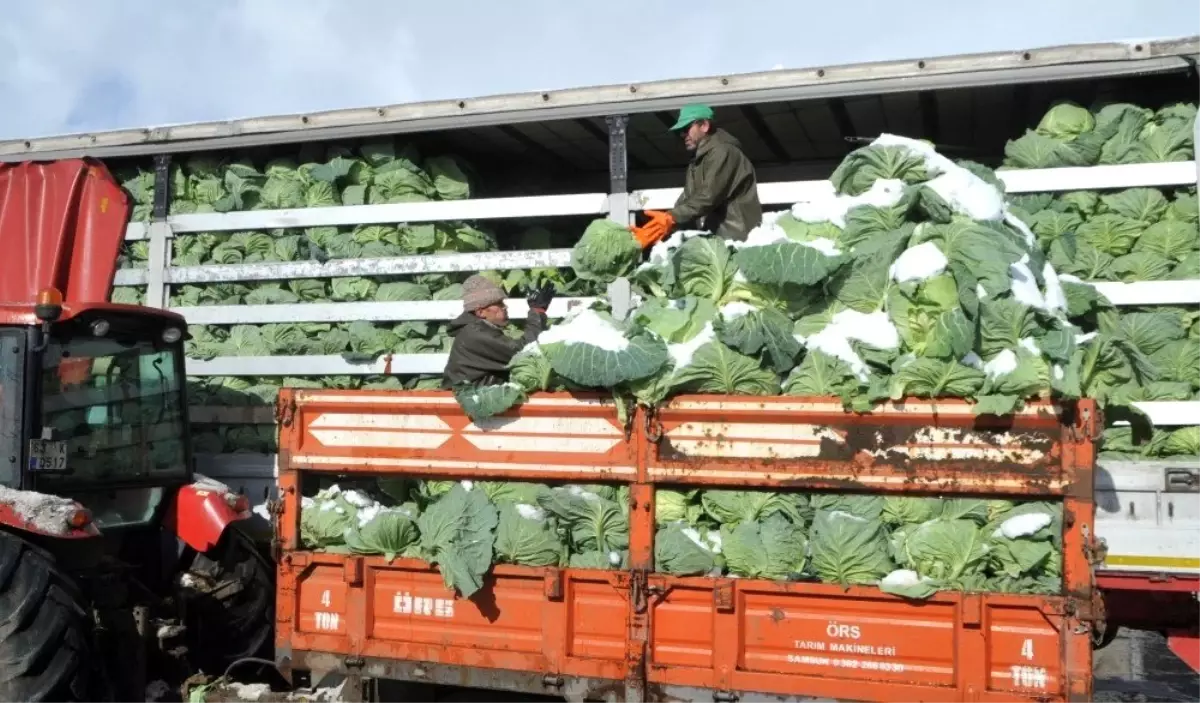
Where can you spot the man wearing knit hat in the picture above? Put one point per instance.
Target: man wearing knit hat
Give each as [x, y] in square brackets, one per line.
[481, 351]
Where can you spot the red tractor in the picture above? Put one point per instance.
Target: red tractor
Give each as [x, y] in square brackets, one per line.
[115, 559]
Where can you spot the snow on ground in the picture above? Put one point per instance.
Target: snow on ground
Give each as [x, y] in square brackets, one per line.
[45, 513]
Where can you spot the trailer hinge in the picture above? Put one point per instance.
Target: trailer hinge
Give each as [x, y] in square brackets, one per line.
[637, 590]
[1095, 549]
[654, 429]
[285, 411]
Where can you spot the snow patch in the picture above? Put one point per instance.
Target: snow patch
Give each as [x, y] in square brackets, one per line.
[586, 327]
[531, 512]
[736, 309]
[972, 359]
[901, 577]
[1022, 525]
[1024, 285]
[1058, 372]
[980, 291]
[1085, 337]
[828, 206]
[249, 691]
[358, 499]
[828, 247]
[1002, 364]
[614, 558]
[969, 194]
[581, 492]
[693, 535]
[1015, 222]
[1030, 345]
[1056, 299]
[661, 252]
[761, 236]
[920, 263]
[874, 329]
[44, 513]
[682, 353]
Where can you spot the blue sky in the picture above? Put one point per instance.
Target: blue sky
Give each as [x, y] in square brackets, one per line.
[78, 65]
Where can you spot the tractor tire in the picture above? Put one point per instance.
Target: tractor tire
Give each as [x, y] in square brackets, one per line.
[45, 630]
[230, 595]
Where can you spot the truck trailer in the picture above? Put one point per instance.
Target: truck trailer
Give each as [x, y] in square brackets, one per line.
[560, 158]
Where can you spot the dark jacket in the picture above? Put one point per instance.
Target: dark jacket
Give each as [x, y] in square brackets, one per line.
[721, 191]
[481, 351]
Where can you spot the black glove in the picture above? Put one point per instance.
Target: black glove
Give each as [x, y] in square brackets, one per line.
[539, 298]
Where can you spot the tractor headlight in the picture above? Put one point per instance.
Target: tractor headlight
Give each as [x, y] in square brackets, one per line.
[172, 334]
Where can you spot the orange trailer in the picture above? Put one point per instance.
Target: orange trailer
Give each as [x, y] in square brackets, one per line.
[637, 635]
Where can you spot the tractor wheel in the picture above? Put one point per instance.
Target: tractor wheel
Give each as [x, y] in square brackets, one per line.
[45, 631]
[230, 603]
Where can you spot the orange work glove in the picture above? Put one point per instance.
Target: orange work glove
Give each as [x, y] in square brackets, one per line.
[660, 225]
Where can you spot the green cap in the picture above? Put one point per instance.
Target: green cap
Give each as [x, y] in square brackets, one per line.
[690, 114]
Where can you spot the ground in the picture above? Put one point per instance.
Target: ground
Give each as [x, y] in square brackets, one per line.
[1137, 667]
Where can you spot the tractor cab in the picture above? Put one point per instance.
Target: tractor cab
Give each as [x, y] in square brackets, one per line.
[94, 409]
[125, 564]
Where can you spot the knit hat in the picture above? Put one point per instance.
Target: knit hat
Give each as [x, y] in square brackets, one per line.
[480, 292]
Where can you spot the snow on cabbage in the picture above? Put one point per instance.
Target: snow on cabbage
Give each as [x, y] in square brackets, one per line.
[371, 173]
[914, 279]
[909, 546]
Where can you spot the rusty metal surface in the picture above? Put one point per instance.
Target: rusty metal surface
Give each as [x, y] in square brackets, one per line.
[649, 636]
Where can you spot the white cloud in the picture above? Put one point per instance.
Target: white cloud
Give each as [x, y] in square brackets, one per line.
[73, 65]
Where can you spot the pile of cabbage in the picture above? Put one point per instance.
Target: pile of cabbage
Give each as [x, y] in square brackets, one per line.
[376, 172]
[914, 278]
[909, 546]
[1134, 235]
[1120, 133]
[464, 527]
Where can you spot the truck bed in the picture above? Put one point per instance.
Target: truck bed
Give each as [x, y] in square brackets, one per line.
[638, 635]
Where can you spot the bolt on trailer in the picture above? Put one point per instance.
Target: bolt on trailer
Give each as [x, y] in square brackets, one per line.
[796, 124]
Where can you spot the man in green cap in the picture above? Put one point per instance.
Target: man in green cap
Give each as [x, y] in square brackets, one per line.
[720, 194]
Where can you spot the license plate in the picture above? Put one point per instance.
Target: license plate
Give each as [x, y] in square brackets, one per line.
[47, 456]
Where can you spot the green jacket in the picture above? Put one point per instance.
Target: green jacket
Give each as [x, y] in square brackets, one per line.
[721, 192]
[481, 351]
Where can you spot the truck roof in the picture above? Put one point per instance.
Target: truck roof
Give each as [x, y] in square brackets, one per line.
[1058, 63]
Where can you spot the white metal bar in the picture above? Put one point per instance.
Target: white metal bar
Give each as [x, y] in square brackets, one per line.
[400, 265]
[1151, 292]
[1048, 180]
[130, 277]
[437, 211]
[783, 193]
[345, 312]
[1121, 294]
[1015, 181]
[1171, 413]
[156, 265]
[329, 365]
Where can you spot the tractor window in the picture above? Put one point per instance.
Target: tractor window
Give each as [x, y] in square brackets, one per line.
[12, 405]
[118, 407]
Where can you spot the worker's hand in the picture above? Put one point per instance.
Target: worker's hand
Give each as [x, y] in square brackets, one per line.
[660, 225]
[539, 298]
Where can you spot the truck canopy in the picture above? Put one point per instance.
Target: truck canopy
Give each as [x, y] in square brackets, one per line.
[793, 123]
